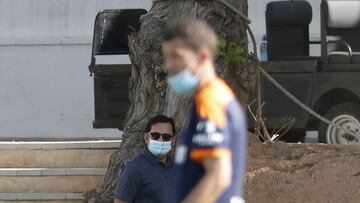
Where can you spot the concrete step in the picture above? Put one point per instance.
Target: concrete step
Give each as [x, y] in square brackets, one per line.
[54, 180]
[41, 197]
[97, 144]
[52, 172]
[68, 158]
[75, 154]
[61, 184]
[49, 184]
[42, 201]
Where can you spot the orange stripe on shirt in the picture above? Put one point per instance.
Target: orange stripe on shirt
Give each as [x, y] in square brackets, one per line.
[212, 101]
[199, 155]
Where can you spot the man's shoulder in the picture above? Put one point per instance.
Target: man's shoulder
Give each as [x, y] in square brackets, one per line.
[212, 102]
[136, 162]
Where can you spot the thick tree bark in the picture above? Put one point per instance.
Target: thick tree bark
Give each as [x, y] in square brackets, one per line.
[149, 92]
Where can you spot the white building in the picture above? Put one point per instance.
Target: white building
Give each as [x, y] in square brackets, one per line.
[45, 45]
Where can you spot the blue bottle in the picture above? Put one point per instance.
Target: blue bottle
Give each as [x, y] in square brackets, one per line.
[263, 49]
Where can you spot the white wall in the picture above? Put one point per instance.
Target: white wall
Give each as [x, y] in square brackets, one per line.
[61, 20]
[45, 88]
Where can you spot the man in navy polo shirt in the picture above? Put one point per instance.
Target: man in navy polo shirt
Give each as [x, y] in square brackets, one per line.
[148, 177]
[211, 153]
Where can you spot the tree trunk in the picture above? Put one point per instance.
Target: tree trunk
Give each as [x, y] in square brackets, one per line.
[149, 92]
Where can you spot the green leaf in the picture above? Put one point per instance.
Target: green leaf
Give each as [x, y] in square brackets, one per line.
[230, 51]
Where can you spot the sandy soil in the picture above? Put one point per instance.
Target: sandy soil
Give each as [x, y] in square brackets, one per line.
[286, 173]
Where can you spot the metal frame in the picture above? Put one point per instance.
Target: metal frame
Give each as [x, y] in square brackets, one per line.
[111, 81]
[324, 41]
[309, 79]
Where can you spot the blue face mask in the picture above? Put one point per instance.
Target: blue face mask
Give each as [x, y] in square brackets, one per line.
[183, 83]
[159, 148]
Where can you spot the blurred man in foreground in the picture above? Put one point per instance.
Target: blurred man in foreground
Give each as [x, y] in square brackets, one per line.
[211, 153]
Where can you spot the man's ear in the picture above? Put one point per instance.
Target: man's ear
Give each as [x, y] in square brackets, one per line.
[173, 142]
[146, 138]
[204, 54]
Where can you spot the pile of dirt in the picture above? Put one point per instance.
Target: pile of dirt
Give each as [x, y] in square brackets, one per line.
[281, 172]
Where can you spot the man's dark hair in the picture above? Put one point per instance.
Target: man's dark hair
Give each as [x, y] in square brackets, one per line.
[160, 119]
[197, 34]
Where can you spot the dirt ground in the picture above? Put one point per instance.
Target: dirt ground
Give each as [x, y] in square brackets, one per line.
[287, 173]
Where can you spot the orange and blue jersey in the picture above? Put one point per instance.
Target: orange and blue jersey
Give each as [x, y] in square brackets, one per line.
[215, 128]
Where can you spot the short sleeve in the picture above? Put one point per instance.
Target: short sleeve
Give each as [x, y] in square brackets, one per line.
[211, 136]
[209, 140]
[129, 183]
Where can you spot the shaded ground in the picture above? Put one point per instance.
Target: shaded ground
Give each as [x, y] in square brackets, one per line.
[287, 173]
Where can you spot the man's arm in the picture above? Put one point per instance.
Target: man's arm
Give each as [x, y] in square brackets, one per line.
[217, 178]
[129, 184]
